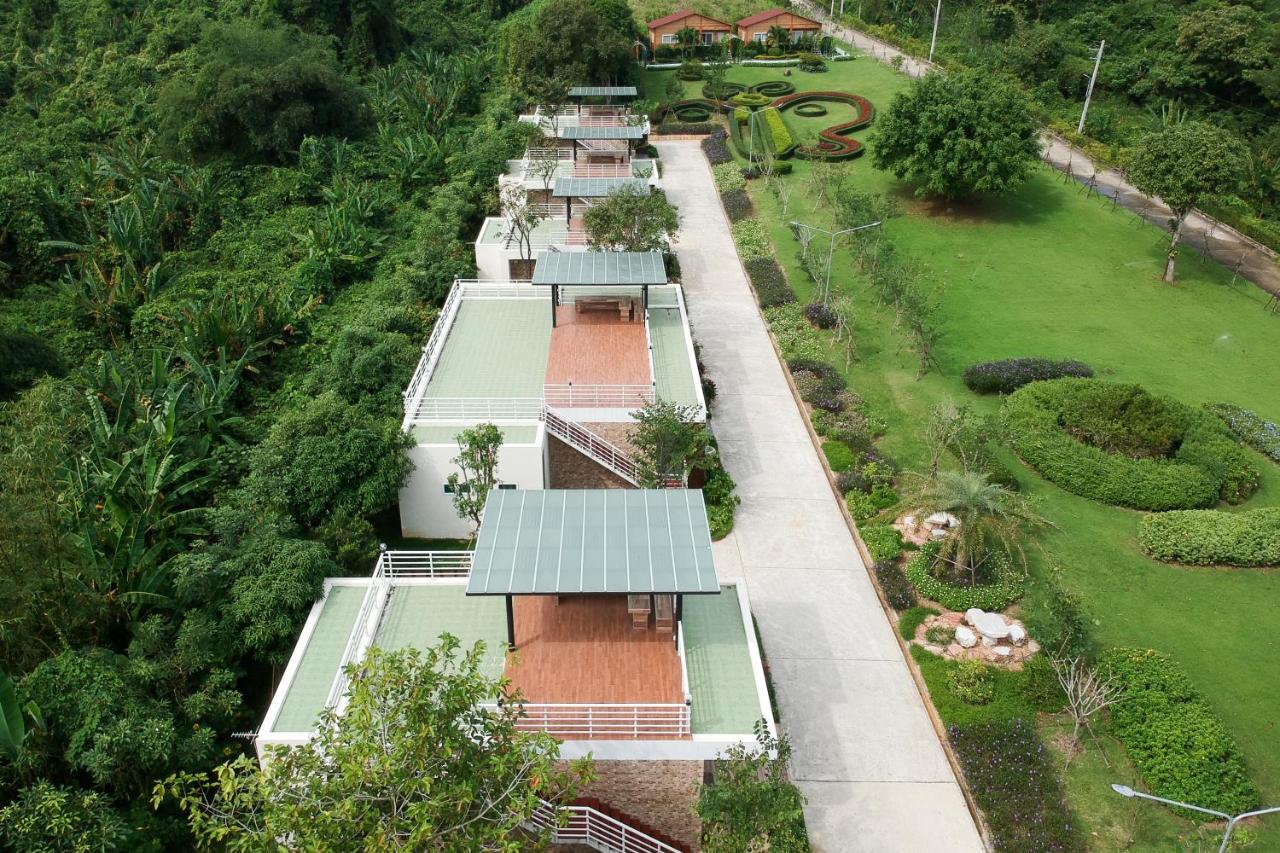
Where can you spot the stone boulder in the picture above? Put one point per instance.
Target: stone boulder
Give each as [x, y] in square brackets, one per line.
[1017, 634]
[965, 637]
[989, 625]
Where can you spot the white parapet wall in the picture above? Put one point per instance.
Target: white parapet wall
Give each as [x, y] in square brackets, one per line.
[426, 509]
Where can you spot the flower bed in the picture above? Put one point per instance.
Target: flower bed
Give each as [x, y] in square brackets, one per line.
[1173, 737]
[993, 596]
[769, 281]
[1208, 463]
[1010, 374]
[1210, 538]
[1263, 436]
[834, 142]
[776, 129]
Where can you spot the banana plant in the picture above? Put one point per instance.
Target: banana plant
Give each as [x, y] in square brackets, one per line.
[13, 718]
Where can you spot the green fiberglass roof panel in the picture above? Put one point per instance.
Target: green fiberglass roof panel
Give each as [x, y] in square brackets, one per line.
[416, 616]
[599, 268]
[596, 187]
[673, 370]
[603, 92]
[721, 679]
[568, 541]
[579, 131]
[496, 348]
[314, 676]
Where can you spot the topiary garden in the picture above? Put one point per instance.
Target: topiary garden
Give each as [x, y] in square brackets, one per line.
[1121, 445]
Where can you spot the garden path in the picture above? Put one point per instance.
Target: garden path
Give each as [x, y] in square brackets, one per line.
[1246, 257]
[866, 755]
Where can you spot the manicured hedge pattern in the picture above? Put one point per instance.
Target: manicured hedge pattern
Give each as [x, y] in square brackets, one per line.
[769, 281]
[1262, 435]
[776, 130]
[1013, 777]
[1207, 537]
[1208, 464]
[774, 88]
[834, 143]
[994, 596]
[1173, 737]
[811, 110]
[1010, 374]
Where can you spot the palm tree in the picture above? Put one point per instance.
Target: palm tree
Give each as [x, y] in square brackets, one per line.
[992, 519]
[779, 37]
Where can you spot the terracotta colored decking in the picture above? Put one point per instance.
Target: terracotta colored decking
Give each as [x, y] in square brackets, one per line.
[597, 348]
[585, 650]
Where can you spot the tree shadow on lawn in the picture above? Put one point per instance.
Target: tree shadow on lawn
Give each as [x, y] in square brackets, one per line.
[1033, 202]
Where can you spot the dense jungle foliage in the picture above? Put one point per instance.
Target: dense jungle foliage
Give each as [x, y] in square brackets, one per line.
[224, 232]
[1164, 62]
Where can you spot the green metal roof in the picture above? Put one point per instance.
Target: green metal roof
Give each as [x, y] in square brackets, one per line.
[553, 541]
[629, 268]
[596, 187]
[578, 131]
[603, 92]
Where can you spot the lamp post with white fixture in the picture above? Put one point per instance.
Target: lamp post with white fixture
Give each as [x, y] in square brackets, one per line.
[1126, 791]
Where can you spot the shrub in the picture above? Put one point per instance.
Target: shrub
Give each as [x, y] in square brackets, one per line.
[741, 115]
[796, 338]
[839, 456]
[811, 110]
[897, 591]
[774, 88]
[820, 384]
[690, 69]
[751, 239]
[779, 136]
[1006, 586]
[883, 541]
[1017, 785]
[737, 204]
[671, 128]
[812, 62]
[693, 113]
[728, 177]
[769, 281]
[716, 149]
[1173, 737]
[750, 100]
[821, 315]
[911, 619]
[774, 51]
[865, 505]
[1262, 436]
[1054, 617]
[1207, 464]
[1209, 537]
[1039, 685]
[941, 635]
[1010, 374]
[971, 682]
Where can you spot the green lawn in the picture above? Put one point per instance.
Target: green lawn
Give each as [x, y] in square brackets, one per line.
[1050, 272]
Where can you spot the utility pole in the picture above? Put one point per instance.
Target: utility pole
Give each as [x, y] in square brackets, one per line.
[933, 42]
[1088, 95]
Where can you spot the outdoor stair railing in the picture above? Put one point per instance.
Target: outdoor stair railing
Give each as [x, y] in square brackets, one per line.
[586, 824]
[590, 444]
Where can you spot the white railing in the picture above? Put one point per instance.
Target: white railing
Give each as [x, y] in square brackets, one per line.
[467, 408]
[582, 824]
[648, 343]
[475, 288]
[431, 352]
[684, 669]
[616, 721]
[597, 396]
[357, 642]
[531, 154]
[593, 446]
[423, 564]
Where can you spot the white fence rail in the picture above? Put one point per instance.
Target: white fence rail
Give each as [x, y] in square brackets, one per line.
[431, 352]
[615, 721]
[597, 396]
[423, 564]
[583, 824]
[593, 446]
[474, 288]
[466, 408]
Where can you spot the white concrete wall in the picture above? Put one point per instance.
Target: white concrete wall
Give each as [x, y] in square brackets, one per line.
[491, 262]
[427, 512]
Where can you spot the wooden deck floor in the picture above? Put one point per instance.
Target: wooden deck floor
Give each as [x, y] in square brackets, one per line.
[585, 650]
[597, 348]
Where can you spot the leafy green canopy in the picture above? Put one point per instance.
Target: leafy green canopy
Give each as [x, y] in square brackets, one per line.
[631, 220]
[957, 135]
[562, 43]
[1186, 163]
[255, 92]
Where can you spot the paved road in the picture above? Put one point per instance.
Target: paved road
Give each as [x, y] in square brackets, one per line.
[866, 755]
[1224, 244]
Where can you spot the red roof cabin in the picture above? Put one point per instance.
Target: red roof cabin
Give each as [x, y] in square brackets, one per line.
[663, 31]
[756, 27]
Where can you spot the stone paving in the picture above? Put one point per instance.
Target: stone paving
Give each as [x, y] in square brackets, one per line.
[866, 755]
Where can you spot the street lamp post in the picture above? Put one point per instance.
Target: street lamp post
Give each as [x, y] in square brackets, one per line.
[933, 42]
[831, 247]
[1126, 791]
[1093, 78]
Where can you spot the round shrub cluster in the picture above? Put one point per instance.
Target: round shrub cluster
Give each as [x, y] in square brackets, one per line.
[1120, 445]
[724, 91]
[1010, 374]
[690, 69]
[1006, 588]
[882, 540]
[751, 100]
[811, 110]
[971, 682]
[1206, 537]
[812, 62]
[822, 316]
[693, 113]
[774, 88]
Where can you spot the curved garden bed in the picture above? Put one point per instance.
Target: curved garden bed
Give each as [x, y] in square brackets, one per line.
[834, 142]
[1003, 591]
[774, 88]
[1206, 537]
[1120, 445]
[811, 110]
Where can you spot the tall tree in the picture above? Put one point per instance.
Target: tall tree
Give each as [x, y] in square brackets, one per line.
[631, 220]
[956, 135]
[477, 460]
[669, 443]
[1185, 164]
[751, 806]
[564, 39]
[414, 763]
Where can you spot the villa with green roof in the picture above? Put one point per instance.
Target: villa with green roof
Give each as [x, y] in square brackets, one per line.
[603, 609]
[565, 358]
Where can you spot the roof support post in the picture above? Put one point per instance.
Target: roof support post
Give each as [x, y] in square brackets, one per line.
[644, 297]
[679, 607]
[568, 209]
[555, 300]
[511, 626]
